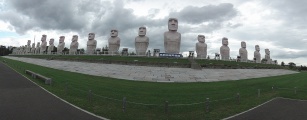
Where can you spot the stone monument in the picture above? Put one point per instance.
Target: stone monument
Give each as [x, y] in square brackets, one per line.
[37, 49]
[43, 47]
[243, 52]
[74, 45]
[51, 46]
[172, 38]
[224, 50]
[201, 47]
[91, 44]
[61, 45]
[114, 42]
[257, 55]
[267, 56]
[33, 48]
[141, 42]
[28, 49]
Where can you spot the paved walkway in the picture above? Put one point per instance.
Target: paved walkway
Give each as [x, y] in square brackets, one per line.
[20, 99]
[277, 109]
[155, 74]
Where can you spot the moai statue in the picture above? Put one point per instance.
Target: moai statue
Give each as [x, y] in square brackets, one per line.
[43, 47]
[37, 49]
[243, 52]
[28, 49]
[114, 42]
[224, 50]
[51, 46]
[257, 55]
[61, 45]
[23, 50]
[201, 47]
[141, 42]
[267, 56]
[91, 44]
[172, 38]
[74, 45]
[33, 48]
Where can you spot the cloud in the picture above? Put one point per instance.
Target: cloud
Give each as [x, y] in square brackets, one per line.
[209, 13]
[84, 16]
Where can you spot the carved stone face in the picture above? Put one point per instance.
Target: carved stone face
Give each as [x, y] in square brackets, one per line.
[201, 38]
[225, 41]
[91, 36]
[267, 51]
[172, 24]
[142, 31]
[29, 42]
[51, 41]
[114, 33]
[243, 44]
[62, 38]
[74, 38]
[44, 37]
[38, 44]
[257, 48]
[33, 45]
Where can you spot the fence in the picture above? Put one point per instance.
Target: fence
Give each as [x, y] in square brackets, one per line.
[121, 108]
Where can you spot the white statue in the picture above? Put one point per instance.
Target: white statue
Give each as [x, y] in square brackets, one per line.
[114, 42]
[224, 50]
[172, 38]
[43, 47]
[51, 46]
[243, 52]
[61, 45]
[74, 45]
[267, 56]
[28, 49]
[257, 54]
[91, 44]
[37, 49]
[201, 47]
[141, 42]
[33, 48]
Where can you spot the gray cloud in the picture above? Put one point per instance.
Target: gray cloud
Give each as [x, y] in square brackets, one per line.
[84, 16]
[210, 13]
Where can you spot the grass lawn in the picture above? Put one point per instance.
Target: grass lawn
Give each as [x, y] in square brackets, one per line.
[146, 100]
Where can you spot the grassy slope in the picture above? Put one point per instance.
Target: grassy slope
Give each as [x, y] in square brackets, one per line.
[157, 93]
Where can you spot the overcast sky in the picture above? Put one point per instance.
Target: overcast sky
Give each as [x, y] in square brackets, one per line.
[279, 25]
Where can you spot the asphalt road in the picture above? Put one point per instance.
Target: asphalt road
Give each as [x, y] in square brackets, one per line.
[20, 99]
[277, 109]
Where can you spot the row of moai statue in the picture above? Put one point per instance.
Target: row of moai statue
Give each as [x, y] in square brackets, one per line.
[42, 48]
[172, 42]
[201, 50]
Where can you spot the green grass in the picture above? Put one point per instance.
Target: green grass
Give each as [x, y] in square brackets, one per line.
[157, 93]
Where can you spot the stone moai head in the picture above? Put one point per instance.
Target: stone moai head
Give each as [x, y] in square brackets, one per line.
[74, 38]
[91, 36]
[267, 51]
[44, 37]
[62, 38]
[142, 31]
[201, 38]
[33, 45]
[114, 33]
[51, 41]
[38, 44]
[172, 24]
[243, 44]
[29, 42]
[225, 41]
[257, 48]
